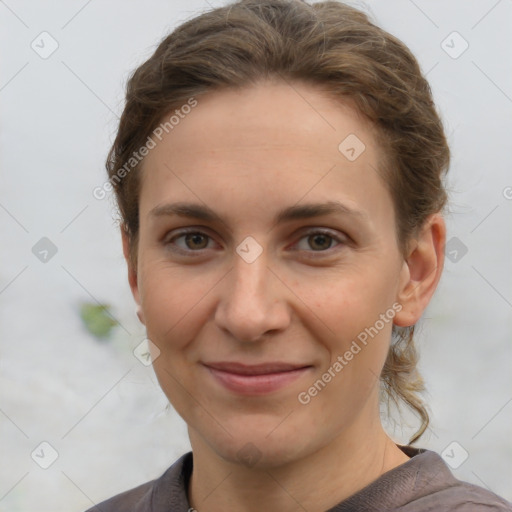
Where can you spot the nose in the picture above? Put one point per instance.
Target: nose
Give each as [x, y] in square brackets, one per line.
[253, 301]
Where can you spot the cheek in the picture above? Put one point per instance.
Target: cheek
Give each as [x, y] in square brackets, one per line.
[171, 299]
[346, 303]
[173, 312]
[351, 308]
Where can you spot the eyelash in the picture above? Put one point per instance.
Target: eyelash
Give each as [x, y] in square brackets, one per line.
[189, 252]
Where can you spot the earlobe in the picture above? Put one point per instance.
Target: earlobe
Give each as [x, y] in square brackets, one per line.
[140, 314]
[132, 273]
[421, 271]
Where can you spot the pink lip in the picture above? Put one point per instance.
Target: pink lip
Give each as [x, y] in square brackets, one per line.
[255, 379]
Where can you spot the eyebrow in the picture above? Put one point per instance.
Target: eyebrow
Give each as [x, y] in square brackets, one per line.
[296, 212]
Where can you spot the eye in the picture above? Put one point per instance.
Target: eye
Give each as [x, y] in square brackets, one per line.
[194, 241]
[318, 241]
[190, 241]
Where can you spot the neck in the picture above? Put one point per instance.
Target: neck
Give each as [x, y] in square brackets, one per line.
[315, 482]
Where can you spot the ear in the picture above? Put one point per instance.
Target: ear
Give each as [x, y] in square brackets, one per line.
[132, 272]
[421, 271]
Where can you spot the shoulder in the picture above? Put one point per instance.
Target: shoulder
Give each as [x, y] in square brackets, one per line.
[137, 499]
[436, 489]
[458, 497]
[170, 489]
[424, 483]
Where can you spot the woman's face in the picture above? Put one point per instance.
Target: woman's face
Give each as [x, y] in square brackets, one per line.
[264, 281]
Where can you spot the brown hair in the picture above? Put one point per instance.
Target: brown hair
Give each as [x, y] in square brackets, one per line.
[328, 44]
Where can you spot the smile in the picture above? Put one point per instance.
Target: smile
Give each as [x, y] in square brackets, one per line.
[255, 379]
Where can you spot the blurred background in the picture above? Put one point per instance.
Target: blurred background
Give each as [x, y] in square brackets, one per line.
[81, 414]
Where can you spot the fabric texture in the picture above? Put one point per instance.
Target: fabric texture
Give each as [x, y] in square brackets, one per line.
[422, 484]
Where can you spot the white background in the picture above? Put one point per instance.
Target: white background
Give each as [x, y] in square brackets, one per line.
[98, 406]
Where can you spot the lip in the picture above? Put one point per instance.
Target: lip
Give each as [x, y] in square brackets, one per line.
[256, 379]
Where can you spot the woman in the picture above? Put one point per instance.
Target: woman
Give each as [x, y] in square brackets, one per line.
[278, 170]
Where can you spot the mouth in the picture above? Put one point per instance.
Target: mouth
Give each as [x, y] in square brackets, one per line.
[256, 379]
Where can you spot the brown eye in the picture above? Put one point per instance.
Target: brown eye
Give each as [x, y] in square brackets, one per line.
[196, 240]
[320, 241]
[188, 242]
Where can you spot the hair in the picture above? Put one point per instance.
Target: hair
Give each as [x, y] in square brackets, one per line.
[327, 44]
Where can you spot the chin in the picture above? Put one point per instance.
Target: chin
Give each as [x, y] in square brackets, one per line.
[254, 448]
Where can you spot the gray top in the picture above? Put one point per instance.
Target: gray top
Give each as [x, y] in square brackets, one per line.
[422, 484]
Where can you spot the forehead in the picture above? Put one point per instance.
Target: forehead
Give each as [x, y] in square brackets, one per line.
[263, 142]
[294, 113]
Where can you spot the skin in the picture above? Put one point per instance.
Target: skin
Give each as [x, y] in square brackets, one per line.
[247, 154]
